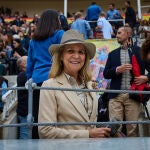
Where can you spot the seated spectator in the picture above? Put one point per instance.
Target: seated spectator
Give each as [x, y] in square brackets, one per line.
[3, 59]
[70, 69]
[98, 34]
[17, 52]
[3, 84]
[81, 25]
[144, 29]
[35, 19]
[18, 22]
[18, 49]
[24, 39]
[22, 107]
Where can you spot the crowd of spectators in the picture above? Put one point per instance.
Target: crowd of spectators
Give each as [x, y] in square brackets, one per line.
[19, 38]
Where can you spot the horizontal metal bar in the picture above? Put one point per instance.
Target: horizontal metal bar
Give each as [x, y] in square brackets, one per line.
[74, 123]
[122, 20]
[92, 90]
[79, 90]
[147, 6]
[13, 88]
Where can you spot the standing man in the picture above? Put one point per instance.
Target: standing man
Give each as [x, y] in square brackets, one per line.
[112, 13]
[104, 26]
[130, 15]
[118, 68]
[92, 14]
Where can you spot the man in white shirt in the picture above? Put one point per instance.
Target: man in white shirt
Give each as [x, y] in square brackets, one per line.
[105, 26]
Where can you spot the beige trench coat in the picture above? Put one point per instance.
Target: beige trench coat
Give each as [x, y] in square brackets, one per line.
[64, 106]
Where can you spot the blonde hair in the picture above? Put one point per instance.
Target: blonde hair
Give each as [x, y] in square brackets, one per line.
[57, 66]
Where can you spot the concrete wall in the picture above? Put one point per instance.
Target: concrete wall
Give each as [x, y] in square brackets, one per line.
[37, 6]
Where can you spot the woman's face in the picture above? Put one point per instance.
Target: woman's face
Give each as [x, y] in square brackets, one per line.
[15, 44]
[73, 58]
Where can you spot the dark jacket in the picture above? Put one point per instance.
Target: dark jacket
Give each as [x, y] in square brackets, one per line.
[22, 107]
[130, 16]
[113, 62]
[21, 51]
[17, 22]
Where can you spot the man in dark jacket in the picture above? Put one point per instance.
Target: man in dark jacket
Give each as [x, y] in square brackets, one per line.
[130, 15]
[119, 69]
[22, 107]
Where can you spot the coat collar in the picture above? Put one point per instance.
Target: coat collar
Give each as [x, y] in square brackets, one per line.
[74, 99]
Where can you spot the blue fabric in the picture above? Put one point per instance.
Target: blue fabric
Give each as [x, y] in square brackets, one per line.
[83, 27]
[113, 14]
[93, 12]
[4, 85]
[23, 130]
[39, 59]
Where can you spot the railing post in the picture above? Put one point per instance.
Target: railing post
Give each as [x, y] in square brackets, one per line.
[30, 86]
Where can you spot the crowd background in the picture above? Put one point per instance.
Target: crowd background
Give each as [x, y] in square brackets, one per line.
[16, 34]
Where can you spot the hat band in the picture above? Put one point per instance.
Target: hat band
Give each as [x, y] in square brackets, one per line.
[72, 40]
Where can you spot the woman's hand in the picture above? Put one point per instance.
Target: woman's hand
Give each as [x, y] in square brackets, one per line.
[140, 80]
[99, 132]
[16, 55]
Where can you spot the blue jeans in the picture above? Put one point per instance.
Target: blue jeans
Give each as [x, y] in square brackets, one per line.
[23, 131]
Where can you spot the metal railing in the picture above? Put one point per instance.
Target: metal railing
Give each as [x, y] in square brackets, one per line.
[115, 20]
[30, 86]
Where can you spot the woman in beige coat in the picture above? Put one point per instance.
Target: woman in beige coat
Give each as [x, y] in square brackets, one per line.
[70, 69]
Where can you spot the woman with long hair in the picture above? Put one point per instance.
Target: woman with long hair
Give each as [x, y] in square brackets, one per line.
[70, 70]
[39, 60]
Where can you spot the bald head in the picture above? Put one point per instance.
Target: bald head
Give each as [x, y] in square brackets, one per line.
[123, 34]
[21, 63]
[127, 29]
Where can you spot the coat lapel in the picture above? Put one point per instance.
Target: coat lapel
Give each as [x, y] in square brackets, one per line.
[95, 102]
[72, 97]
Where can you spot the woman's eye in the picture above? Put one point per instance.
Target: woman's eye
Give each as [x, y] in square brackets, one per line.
[70, 51]
[82, 52]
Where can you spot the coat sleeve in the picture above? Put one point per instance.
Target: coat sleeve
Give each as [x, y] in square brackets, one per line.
[110, 70]
[48, 114]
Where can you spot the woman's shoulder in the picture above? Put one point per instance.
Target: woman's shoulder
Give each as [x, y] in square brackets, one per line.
[59, 32]
[50, 82]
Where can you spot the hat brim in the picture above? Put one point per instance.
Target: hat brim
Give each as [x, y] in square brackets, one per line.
[90, 48]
